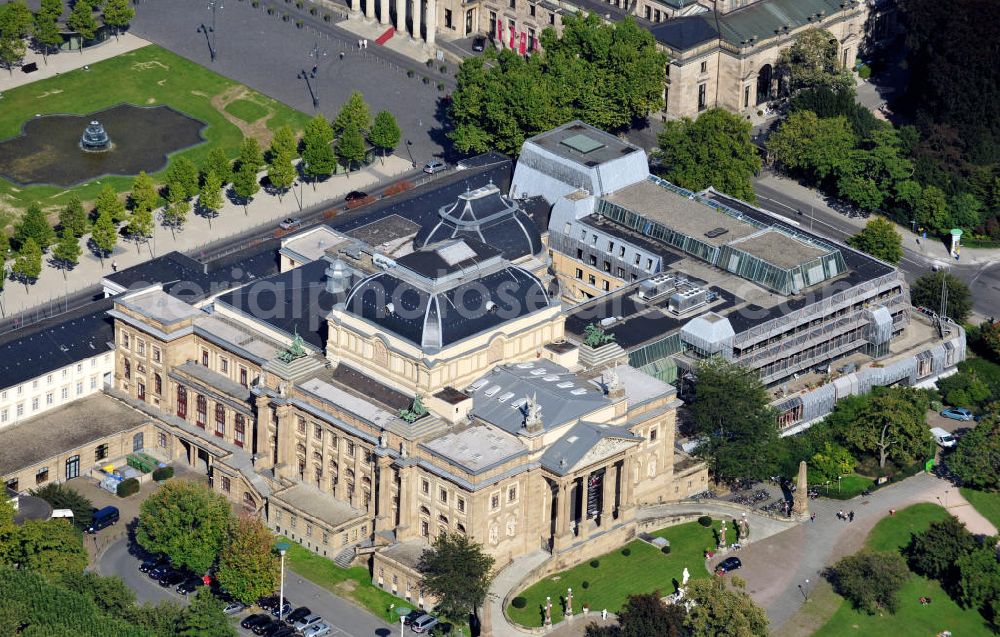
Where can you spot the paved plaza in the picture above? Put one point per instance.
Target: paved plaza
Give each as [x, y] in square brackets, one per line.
[268, 55]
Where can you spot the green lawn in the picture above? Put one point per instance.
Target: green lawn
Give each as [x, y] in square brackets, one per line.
[892, 533]
[987, 503]
[850, 486]
[617, 576]
[353, 583]
[247, 110]
[145, 77]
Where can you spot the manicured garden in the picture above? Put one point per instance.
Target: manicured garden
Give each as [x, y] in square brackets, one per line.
[912, 618]
[850, 486]
[608, 580]
[145, 77]
[986, 502]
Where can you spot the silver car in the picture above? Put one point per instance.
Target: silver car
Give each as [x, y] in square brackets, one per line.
[317, 630]
[434, 166]
[306, 622]
[423, 623]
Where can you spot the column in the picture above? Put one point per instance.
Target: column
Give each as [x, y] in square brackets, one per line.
[261, 433]
[355, 6]
[286, 442]
[417, 12]
[627, 483]
[383, 11]
[565, 510]
[401, 16]
[431, 21]
[405, 499]
[607, 496]
[370, 9]
[383, 494]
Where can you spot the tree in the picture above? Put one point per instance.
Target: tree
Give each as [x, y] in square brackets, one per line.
[28, 264]
[385, 133]
[74, 217]
[67, 251]
[144, 199]
[61, 496]
[645, 615]
[108, 201]
[186, 521]
[458, 573]
[811, 62]
[110, 594]
[12, 51]
[34, 225]
[713, 150]
[989, 335]
[892, 426]
[218, 162]
[204, 617]
[16, 19]
[731, 412]
[210, 198]
[176, 211]
[978, 576]
[81, 20]
[317, 152]
[52, 8]
[833, 461]
[250, 155]
[245, 185]
[965, 389]
[46, 33]
[870, 580]
[721, 610]
[926, 292]
[354, 113]
[52, 548]
[284, 141]
[935, 552]
[104, 235]
[182, 176]
[880, 239]
[813, 147]
[932, 210]
[248, 567]
[281, 172]
[118, 14]
[966, 210]
[976, 460]
[351, 147]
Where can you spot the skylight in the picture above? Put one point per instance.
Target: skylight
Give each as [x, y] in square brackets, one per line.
[582, 143]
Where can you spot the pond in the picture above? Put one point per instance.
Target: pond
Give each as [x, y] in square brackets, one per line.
[48, 150]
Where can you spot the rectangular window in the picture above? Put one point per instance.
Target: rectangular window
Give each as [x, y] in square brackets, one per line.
[704, 67]
[161, 439]
[494, 501]
[591, 279]
[531, 10]
[350, 449]
[512, 493]
[513, 4]
[702, 96]
[648, 12]
[606, 285]
[652, 433]
[42, 475]
[93, 382]
[243, 377]
[49, 398]
[239, 430]
[579, 253]
[224, 365]
[226, 484]
[621, 273]
[100, 453]
[300, 423]
[318, 433]
[140, 347]
[3, 415]
[460, 504]
[607, 266]
[425, 487]
[20, 409]
[156, 354]
[34, 401]
[579, 273]
[552, 18]
[125, 340]
[220, 420]
[64, 393]
[443, 496]
[593, 260]
[79, 388]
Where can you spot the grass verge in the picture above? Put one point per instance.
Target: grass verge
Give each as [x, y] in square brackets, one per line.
[987, 503]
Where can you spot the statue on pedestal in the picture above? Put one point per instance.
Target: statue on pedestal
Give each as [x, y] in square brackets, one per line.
[569, 603]
[548, 611]
[722, 536]
[685, 577]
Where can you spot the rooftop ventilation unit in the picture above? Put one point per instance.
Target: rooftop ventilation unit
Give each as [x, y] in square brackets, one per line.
[657, 286]
[479, 384]
[716, 232]
[579, 391]
[687, 300]
[504, 397]
[565, 385]
[492, 391]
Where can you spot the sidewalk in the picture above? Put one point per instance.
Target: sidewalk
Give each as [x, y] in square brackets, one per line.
[64, 61]
[263, 213]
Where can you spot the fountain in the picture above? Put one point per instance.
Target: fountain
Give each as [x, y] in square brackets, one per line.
[95, 139]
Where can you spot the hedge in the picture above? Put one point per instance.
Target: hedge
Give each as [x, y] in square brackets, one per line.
[705, 521]
[127, 487]
[163, 473]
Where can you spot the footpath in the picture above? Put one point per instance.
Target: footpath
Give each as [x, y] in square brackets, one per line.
[64, 61]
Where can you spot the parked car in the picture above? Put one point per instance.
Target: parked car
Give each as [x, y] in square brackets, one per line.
[262, 627]
[302, 623]
[942, 437]
[159, 572]
[290, 223]
[957, 413]
[284, 630]
[255, 619]
[478, 44]
[268, 603]
[233, 608]
[154, 562]
[281, 610]
[355, 195]
[297, 614]
[317, 630]
[189, 585]
[423, 623]
[728, 564]
[434, 166]
[172, 578]
[103, 518]
[414, 614]
[276, 627]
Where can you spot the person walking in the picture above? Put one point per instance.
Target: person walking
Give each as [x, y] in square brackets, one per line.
[812, 518]
[114, 266]
[604, 614]
[850, 516]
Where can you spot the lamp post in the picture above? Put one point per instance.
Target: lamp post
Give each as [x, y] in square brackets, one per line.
[805, 590]
[402, 624]
[208, 31]
[282, 549]
[838, 483]
[317, 56]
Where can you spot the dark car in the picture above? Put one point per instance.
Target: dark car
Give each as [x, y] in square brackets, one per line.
[284, 631]
[254, 620]
[154, 562]
[356, 195]
[281, 610]
[274, 628]
[160, 571]
[297, 614]
[189, 585]
[172, 578]
[728, 564]
[412, 616]
[478, 44]
[262, 627]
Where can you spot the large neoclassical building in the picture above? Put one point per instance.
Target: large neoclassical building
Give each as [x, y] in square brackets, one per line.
[366, 399]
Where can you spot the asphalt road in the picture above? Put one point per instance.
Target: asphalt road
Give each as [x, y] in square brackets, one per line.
[982, 279]
[347, 619]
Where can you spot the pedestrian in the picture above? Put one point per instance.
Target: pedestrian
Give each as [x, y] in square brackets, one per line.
[341, 55]
[114, 266]
[892, 511]
[840, 514]
[812, 518]
[366, 43]
[851, 516]
[604, 614]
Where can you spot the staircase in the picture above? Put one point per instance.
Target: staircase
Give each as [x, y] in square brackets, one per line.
[344, 558]
[385, 37]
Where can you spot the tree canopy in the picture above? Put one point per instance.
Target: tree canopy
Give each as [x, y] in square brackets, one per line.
[34, 225]
[317, 149]
[880, 239]
[811, 62]
[385, 133]
[28, 264]
[248, 565]
[713, 150]
[723, 608]
[976, 460]
[891, 426]
[108, 201]
[74, 217]
[354, 113]
[185, 520]
[870, 580]
[458, 573]
[67, 251]
[350, 147]
[926, 292]
[608, 75]
[204, 617]
[81, 20]
[812, 147]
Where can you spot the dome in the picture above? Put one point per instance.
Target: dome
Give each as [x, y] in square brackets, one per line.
[485, 215]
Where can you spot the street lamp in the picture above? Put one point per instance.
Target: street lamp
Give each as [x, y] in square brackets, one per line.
[402, 624]
[209, 37]
[805, 590]
[317, 56]
[282, 549]
[838, 483]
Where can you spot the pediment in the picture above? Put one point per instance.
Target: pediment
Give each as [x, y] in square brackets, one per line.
[605, 448]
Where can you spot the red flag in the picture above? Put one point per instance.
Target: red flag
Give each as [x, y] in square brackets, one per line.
[512, 36]
[538, 47]
[524, 43]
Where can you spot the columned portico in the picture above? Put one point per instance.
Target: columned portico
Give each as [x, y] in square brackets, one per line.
[355, 6]
[431, 27]
[370, 9]
[400, 15]
[383, 11]
[415, 20]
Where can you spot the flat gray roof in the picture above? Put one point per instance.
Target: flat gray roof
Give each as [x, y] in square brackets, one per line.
[63, 429]
[477, 448]
[583, 144]
[687, 216]
[406, 553]
[160, 306]
[319, 505]
[779, 249]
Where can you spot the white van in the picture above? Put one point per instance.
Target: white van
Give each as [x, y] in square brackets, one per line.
[942, 437]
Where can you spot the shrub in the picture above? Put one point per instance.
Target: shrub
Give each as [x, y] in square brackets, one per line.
[595, 563]
[444, 69]
[665, 550]
[313, 10]
[298, 23]
[255, 3]
[430, 63]
[585, 584]
[865, 71]
[870, 580]
[270, 11]
[626, 551]
[410, 74]
[705, 521]
[127, 487]
[440, 86]
[427, 80]
[299, 5]
[518, 602]
[327, 17]
[163, 473]
[285, 17]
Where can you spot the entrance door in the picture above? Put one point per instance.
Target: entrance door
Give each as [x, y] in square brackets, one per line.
[137, 442]
[73, 467]
[468, 22]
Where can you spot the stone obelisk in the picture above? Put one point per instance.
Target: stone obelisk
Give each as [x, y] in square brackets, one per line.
[801, 504]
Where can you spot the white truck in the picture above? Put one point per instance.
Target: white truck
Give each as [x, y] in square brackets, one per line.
[942, 437]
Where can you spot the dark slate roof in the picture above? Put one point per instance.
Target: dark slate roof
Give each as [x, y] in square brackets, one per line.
[293, 301]
[432, 264]
[563, 454]
[685, 33]
[435, 319]
[56, 342]
[363, 385]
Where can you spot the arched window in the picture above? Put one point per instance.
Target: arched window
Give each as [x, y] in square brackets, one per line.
[182, 402]
[764, 80]
[366, 481]
[137, 442]
[443, 519]
[318, 458]
[239, 430]
[333, 466]
[425, 511]
[350, 473]
[201, 415]
[301, 450]
[460, 528]
[128, 369]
